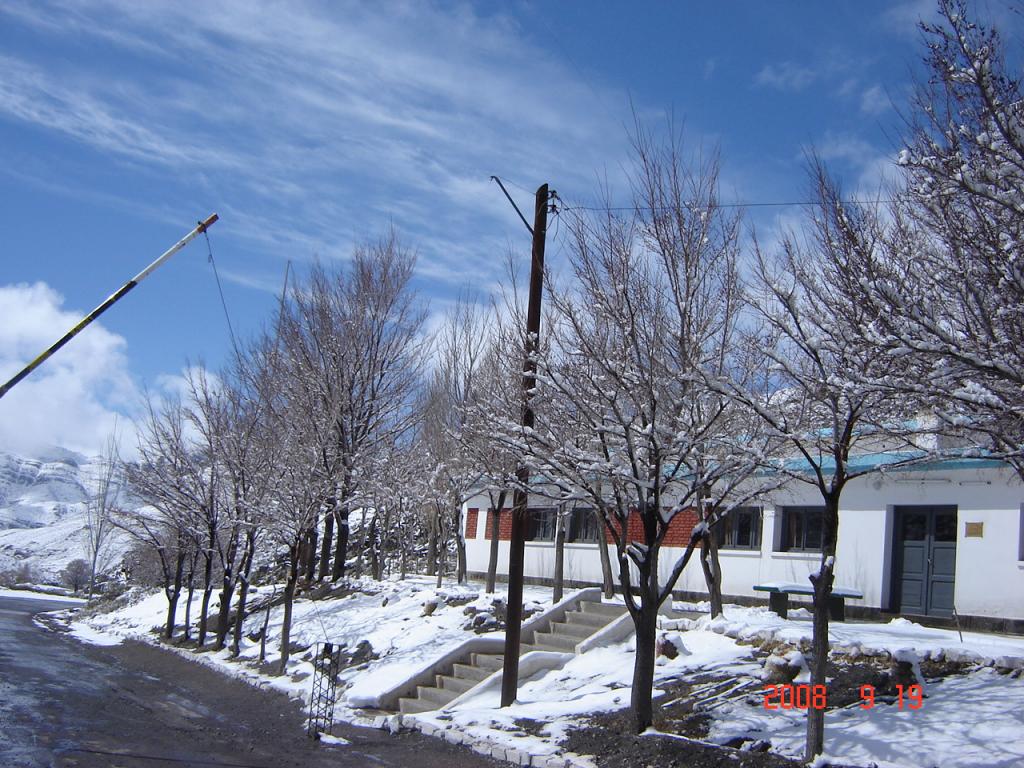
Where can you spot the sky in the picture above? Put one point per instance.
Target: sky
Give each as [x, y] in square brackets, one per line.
[312, 127]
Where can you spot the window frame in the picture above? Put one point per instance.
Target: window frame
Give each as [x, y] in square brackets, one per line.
[803, 511]
[580, 519]
[541, 518]
[725, 532]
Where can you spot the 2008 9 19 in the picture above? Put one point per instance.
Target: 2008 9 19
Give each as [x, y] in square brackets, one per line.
[815, 697]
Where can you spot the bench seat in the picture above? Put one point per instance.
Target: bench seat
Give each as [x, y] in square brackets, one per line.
[779, 592]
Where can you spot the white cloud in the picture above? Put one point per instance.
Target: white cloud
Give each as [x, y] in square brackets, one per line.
[875, 101]
[73, 399]
[786, 76]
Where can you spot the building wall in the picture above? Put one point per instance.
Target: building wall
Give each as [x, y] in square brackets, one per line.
[989, 568]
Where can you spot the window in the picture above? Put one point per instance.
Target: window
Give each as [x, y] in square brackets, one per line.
[541, 524]
[583, 525]
[802, 529]
[741, 529]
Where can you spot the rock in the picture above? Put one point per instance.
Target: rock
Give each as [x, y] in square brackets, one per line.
[671, 646]
[961, 656]
[782, 669]
[362, 653]
[1010, 662]
[429, 607]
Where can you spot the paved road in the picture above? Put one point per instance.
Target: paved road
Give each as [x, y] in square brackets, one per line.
[65, 703]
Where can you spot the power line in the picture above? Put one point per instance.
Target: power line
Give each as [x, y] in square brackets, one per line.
[718, 204]
[739, 204]
[220, 290]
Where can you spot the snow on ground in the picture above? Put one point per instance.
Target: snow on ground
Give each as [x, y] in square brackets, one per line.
[970, 720]
[38, 594]
[750, 623]
[965, 722]
[388, 614]
[597, 681]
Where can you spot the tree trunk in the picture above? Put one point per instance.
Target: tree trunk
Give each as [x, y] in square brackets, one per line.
[712, 573]
[224, 616]
[266, 623]
[188, 600]
[204, 611]
[606, 563]
[325, 545]
[643, 663]
[492, 560]
[172, 607]
[311, 555]
[460, 551]
[432, 537]
[236, 635]
[243, 593]
[822, 583]
[289, 598]
[442, 550]
[341, 550]
[556, 593]
[174, 594]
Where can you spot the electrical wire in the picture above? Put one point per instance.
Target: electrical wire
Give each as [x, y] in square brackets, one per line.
[220, 290]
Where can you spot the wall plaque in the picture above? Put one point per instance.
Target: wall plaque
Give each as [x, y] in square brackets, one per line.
[974, 530]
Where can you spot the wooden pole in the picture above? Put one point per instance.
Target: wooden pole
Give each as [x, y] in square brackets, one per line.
[510, 672]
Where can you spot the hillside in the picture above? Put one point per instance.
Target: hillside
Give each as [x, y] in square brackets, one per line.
[42, 509]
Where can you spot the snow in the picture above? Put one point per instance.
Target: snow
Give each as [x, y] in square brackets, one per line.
[34, 595]
[337, 741]
[387, 614]
[965, 722]
[969, 720]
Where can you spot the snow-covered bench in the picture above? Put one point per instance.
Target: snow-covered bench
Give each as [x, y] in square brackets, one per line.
[779, 592]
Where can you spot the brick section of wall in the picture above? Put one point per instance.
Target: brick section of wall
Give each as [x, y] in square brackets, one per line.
[504, 524]
[472, 515]
[678, 530]
[681, 527]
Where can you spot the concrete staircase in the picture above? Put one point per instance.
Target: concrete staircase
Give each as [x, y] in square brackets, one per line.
[561, 636]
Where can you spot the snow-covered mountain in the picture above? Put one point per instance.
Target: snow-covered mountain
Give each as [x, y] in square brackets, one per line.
[43, 500]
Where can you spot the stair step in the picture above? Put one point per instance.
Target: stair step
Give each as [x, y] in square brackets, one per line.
[487, 660]
[604, 609]
[412, 706]
[588, 619]
[578, 631]
[467, 672]
[457, 684]
[437, 696]
[564, 643]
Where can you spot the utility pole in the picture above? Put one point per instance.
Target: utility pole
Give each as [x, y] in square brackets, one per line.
[520, 499]
[201, 227]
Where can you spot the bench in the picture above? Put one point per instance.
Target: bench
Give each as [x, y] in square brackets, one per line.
[779, 592]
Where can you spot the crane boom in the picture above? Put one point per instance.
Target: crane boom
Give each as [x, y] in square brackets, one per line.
[201, 227]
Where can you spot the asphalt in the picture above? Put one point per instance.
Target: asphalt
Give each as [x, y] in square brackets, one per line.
[68, 703]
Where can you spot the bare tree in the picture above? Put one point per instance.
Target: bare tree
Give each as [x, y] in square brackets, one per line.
[947, 285]
[161, 477]
[75, 575]
[353, 337]
[655, 302]
[100, 512]
[819, 392]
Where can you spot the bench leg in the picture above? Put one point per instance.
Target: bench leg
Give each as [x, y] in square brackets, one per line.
[837, 608]
[778, 602]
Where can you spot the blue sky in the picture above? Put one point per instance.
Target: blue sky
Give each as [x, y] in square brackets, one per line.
[310, 127]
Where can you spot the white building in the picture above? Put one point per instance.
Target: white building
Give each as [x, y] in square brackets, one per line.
[919, 542]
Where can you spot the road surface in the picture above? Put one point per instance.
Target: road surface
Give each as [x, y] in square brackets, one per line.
[66, 703]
